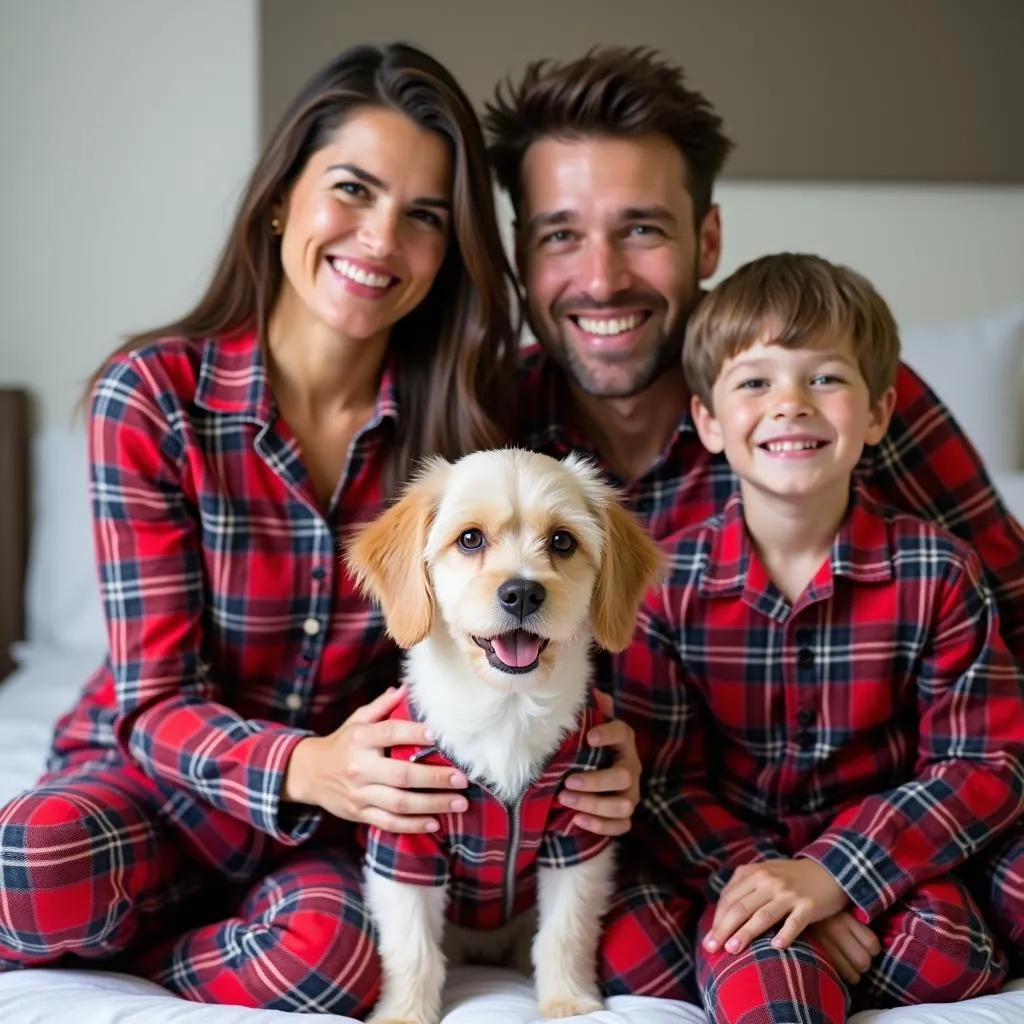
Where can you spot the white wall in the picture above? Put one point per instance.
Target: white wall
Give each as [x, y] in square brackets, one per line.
[126, 130]
[936, 253]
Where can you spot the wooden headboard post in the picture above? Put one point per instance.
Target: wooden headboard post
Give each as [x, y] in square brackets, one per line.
[14, 518]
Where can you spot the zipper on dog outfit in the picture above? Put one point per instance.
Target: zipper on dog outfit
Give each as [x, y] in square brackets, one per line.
[515, 827]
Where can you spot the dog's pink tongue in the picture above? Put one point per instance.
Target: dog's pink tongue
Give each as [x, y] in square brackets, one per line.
[518, 649]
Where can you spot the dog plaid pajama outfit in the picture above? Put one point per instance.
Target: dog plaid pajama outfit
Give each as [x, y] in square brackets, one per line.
[489, 854]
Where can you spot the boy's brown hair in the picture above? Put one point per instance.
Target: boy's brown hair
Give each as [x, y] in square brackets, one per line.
[612, 90]
[797, 298]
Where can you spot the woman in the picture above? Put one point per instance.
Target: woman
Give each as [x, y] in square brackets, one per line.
[197, 822]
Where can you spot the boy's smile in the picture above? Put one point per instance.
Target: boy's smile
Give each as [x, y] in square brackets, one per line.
[793, 446]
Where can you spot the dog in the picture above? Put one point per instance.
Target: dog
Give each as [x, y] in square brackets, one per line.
[496, 573]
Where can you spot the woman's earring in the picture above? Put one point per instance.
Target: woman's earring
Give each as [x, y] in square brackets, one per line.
[275, 225]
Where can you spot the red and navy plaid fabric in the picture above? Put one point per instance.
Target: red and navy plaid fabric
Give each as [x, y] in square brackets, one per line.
[233, 628]
[300, 940]
[233, 632]
[924, 465]
[936, 948]
[81, 854]
[996, 880]
[93, 863]
[646, 942]
[876, 725]
[488, 855]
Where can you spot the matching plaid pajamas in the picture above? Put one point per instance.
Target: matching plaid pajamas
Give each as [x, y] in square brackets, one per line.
[924, 466]
[158, 841]
[875, 726]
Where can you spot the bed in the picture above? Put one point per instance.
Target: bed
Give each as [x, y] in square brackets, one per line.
[51, 625]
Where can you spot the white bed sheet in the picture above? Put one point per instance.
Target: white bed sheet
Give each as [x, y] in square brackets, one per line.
[46, 684]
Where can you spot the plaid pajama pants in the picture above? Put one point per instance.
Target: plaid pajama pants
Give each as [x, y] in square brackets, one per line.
[93, 865]
[996, 880]
[935, 948]
[646, 947]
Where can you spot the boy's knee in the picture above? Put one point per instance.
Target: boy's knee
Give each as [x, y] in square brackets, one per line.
[45, 848]
[764, 985]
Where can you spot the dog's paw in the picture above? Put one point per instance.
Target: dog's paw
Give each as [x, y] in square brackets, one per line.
[557, 1007]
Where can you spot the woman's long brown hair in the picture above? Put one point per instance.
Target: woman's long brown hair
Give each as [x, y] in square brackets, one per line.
[455, 353]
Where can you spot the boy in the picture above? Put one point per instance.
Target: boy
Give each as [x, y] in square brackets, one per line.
[848, 725]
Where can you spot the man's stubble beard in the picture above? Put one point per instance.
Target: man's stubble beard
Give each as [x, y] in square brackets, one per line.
[665, 354]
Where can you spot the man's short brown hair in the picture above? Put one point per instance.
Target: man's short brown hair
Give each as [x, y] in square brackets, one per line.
[614, 91]
[797, 298]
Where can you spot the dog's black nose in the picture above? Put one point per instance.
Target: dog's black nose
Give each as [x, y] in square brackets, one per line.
[521, 597]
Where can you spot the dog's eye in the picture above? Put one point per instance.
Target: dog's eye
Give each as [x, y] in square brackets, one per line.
[563, 542]
[471, 540]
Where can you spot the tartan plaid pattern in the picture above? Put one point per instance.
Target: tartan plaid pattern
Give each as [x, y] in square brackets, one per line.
[233, 629]
[300, 940]
[488, 855]
[936, 948]
[763, 985]
[87, 866]
[92, 864]
[646, 946]
[890, 768]
[996, 880]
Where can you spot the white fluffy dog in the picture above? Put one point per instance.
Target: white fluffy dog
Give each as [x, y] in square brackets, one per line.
[496, 573]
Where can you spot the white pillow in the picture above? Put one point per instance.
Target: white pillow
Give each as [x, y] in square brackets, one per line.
[976, 367]
[62, 590]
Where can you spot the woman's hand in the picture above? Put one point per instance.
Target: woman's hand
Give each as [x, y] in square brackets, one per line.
[605, 800]
[348, 775]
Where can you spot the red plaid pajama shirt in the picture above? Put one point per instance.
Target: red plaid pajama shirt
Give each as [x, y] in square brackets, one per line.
[233, 633]
[924, 466]
[489, 855]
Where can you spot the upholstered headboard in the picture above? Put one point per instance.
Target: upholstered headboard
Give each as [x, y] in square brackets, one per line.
[14, 517]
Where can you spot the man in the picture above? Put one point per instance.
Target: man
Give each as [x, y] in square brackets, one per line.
[610, 162]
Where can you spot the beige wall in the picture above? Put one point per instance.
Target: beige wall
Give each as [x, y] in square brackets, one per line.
[823, 90]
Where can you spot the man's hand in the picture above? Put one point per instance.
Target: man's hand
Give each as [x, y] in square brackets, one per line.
[758, 896]
[605, 800]
[849, 945]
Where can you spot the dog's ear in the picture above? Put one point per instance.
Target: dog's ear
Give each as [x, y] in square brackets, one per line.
[631, 564]
[387, 557]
